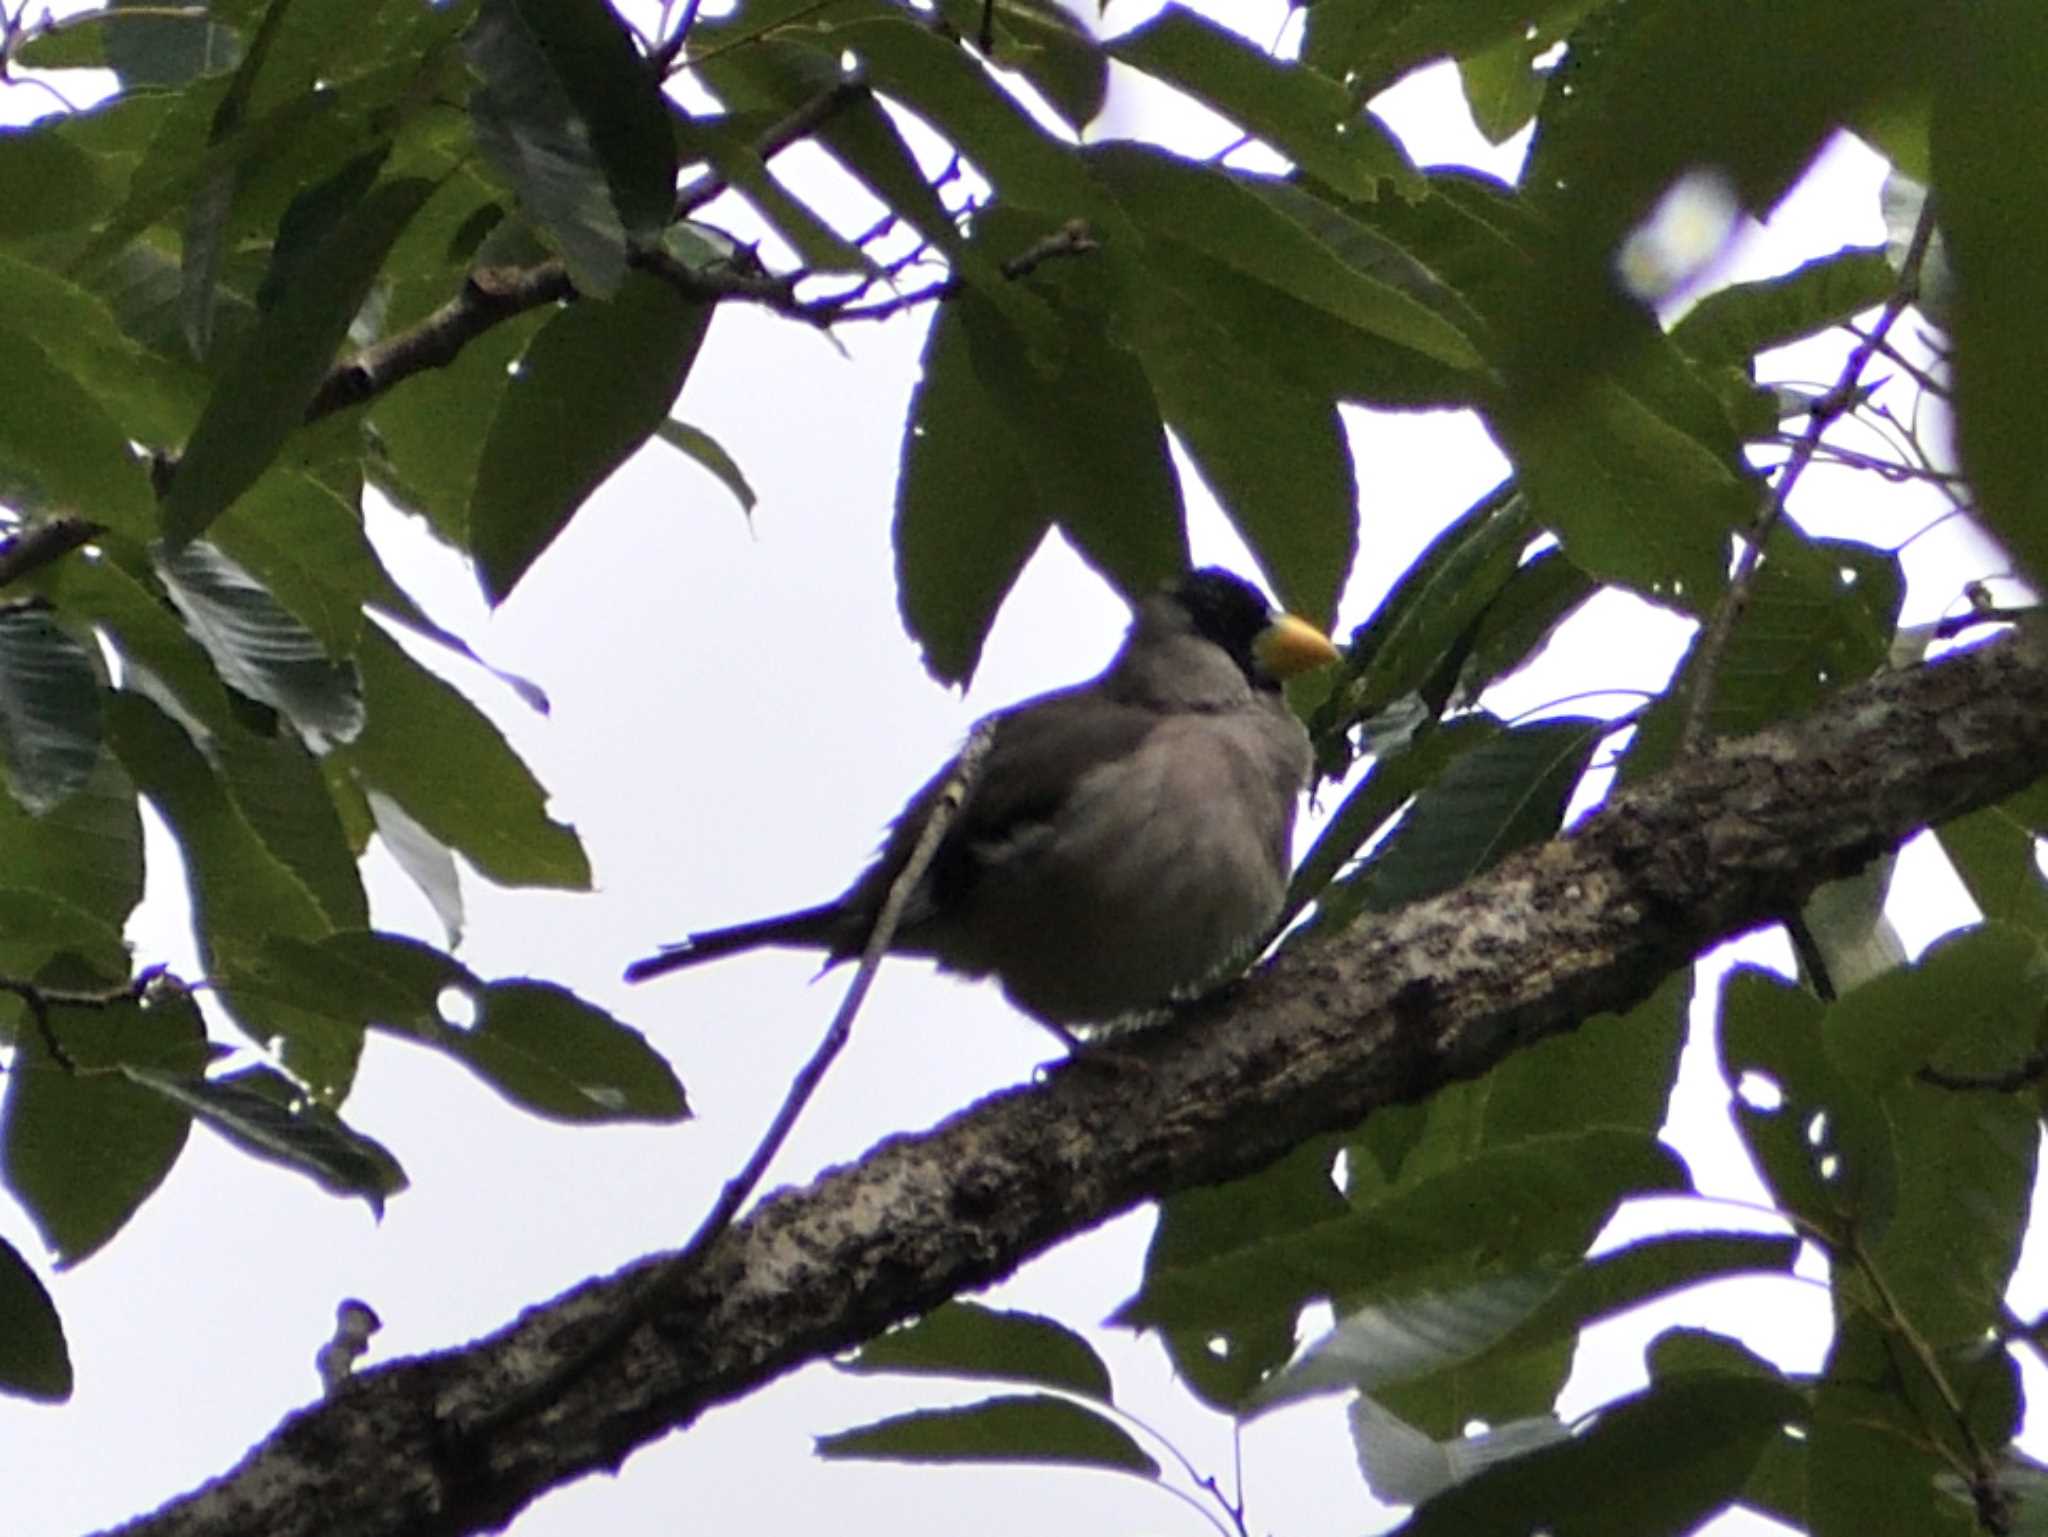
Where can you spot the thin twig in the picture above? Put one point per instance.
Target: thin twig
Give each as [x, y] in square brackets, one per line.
[799, 125]
[664, 57]
[1074, 238]
[667, 1282]
[1713, 643]
[490, 296]
[1920, 376]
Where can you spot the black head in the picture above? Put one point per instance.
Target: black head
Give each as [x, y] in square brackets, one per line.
[1229, 612]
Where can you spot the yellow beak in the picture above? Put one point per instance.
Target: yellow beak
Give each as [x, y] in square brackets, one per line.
[1288, 647]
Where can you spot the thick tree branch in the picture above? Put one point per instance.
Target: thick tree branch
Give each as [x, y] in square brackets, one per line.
[1329, 1032]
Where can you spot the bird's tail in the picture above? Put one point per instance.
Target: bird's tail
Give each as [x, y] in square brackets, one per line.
[812, 928]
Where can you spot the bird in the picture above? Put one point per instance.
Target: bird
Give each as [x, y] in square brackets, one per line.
[1124, 842]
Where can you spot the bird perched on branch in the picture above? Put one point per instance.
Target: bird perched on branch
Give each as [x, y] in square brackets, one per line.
[1124, 840]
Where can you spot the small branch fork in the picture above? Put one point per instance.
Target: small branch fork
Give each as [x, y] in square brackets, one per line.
[1824, 413]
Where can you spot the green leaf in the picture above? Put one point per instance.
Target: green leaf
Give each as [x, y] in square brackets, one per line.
[264, 1114]
[597, 381]
[1614, 1070]
[49, 709]
[276, 784]
[118, 594]
[1825, 1147]
[1373, 43]
[53, 183]
[426, 860]
[1503, 795]
[70, 42]
[433, 427]
[1031, 1428]
[865, 140]
[299, 532]
[1275, 456]
[1971, 1006]
[1044, 42]
[242, 892]
[1648, 93]
[167, 50]
[150, 398]
[86, 855]
[471, 791]
[965, 1339]
[1398, 772]
[258, 647]
[263, 393]
[1502, 87]
[1544, 591]
[1407, 1337]
[1685, 1448]
[1307, 116]
[1058, 436]
[1994, 216]
[573, 117]
[1524, 1368]
[554, 1054]
[1270, 232]
[1821, 617]
[941, 82]
[1736, 323]
[697, 444]
[60, 450]
[541, 1047]
[34, 1360]
[1404, 1466]
[1636, 498]
[1416, 641]
[1530, 1202]
[1870, 1465]
[959, 452]
[84, 1149]
[1209, 1221]
[729, 143]
[1993, 851]
[203, 242]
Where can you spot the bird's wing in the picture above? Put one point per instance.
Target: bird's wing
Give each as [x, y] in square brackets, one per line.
[1040, 750]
